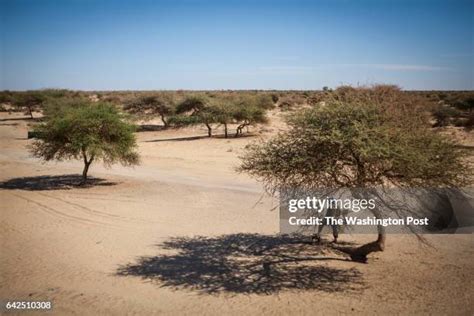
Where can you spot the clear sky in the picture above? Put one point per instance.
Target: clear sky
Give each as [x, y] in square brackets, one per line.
[128, 45]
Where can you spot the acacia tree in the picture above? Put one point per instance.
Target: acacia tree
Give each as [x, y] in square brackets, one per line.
[223, 109]
[243, 111]
[247, 115]
[365, 138]
[34, 100]
[196, 110]
[87, 131]
[192, 104]
[29, 101]
[152, 105]
[250, 110]
[223, 114]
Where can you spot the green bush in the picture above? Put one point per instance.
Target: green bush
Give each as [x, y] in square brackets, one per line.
[444, 115]
[465, 104]
[469, 123]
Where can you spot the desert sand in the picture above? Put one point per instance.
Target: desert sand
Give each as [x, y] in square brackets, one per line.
[130, 243]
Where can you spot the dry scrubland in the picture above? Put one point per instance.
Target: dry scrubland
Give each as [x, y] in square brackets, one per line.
[129, 243]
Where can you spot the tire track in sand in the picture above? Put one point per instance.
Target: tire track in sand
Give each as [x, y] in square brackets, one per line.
[95, 212]
[56, 213]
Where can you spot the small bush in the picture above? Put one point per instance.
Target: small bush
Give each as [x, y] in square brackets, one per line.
[444, 115]
[469, 124]
[275, 98]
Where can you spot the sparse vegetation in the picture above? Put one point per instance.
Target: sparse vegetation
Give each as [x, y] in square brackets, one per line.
[224, 108]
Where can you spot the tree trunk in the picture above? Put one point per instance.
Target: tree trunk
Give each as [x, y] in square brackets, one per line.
[225, 130]
[239, 130]
[209, 130]
[84, 172]
[360, 253]
[163, 119]
[30, 111]
[87, 164]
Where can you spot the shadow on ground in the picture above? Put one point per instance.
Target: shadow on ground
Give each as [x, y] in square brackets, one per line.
[9, 124]
[61, 182]
[247, 264]
[188, 138]
[176, 139]
[149, 128]
[26, 118]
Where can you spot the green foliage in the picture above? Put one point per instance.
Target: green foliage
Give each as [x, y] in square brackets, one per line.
[34, 100]
[465, 104]
[61, 105]
[88, 131]
[246, 115]
[241, 110]
[181, 120]
[455, 109]
[149, 106]
[193, 103]
[275, 97]
[28, 101]
[262, 101]
[400, 108]
[354, 143]
[444, 115]
[195, 110]
[469, 124]
[57, 93]
[291, 100]
[5, 96]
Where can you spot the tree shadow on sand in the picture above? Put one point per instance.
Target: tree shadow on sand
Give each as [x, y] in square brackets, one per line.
[24, 118]
[149, 128]
[246, 264]
[62, 182]
[177, 139]
[17, 119]
[189, 138]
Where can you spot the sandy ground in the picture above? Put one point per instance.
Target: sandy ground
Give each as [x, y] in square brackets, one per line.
[130, 245]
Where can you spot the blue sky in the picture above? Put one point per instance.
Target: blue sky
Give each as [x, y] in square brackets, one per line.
[127, 45]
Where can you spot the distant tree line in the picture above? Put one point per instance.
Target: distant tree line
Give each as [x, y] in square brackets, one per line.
[239, 109]
[32, 101]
